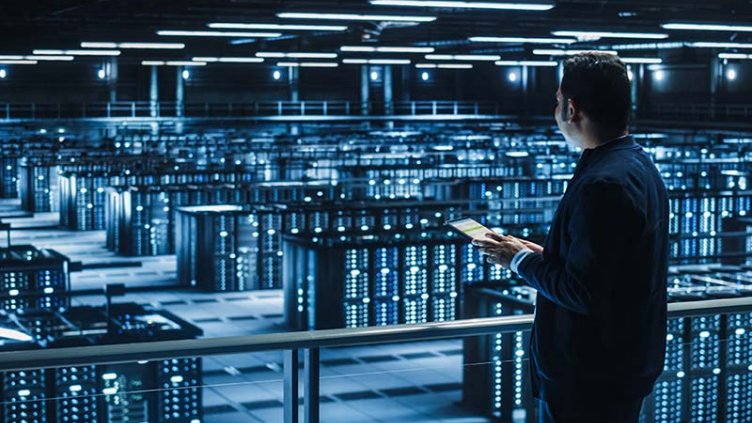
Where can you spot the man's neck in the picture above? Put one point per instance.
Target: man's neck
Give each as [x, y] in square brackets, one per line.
[599, 139]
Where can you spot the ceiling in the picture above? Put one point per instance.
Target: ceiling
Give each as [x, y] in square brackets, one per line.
[63, 24]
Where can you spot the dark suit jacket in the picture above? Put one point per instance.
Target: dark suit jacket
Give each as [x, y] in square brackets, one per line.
[600, 317]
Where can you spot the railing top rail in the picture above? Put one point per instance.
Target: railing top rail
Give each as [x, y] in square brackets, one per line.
[59, 357]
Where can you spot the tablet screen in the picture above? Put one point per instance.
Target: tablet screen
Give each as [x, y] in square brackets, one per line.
[470, 228]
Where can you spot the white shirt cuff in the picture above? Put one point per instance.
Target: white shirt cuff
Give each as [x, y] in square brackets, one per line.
[518, 257]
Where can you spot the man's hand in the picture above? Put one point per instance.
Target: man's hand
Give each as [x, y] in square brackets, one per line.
[499, 249]
[533, 246]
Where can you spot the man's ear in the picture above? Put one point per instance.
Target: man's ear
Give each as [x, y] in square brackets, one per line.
[573, 112]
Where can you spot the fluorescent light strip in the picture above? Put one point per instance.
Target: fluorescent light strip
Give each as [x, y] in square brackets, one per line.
[376, 61]
[707, 27]
[277, 27]
[18, 62]
[228, 59]
[160, 46]
[706, 44]
[465, 4]
[443, 65]
[78, 52]
[39, 58]
[171, 63]
[649, 60]
[480, 57]
[296, 55]
[594, 35]
[171, 33]
[387, 49]
[522, 40]
[734, 56]
[525, 63]
[308, 64]
[356, 17]
[649, 46]
[555, 52]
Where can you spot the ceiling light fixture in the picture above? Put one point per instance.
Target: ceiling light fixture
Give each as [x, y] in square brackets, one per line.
[18, 62]
[529, 40]
[376, 61]
[707, 27]
[277, 27]
[356, 17]
[296, 55]
[556, 52]
[387, 49]
[172, 33]
[465, 4]
[480, 57]
[146, 46]
[707, 44]
[646, 60]
[171, 63]
[308, 64]
[77, 52]
[526, 63]
[595, 35]
[229, 59]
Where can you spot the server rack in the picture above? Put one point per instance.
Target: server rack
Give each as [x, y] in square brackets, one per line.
[32, 279]
[38, 186]
[707, 366]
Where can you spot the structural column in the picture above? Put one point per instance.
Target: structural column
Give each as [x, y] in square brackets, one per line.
[179, 92]
[364, 89]
[405, 93]
[294, 89]
[525, 89]
[113, 79]
[715, 83]
[388, 90]
[153, 93]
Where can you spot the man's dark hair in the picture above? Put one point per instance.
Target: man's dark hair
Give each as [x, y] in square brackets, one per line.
[599, 84]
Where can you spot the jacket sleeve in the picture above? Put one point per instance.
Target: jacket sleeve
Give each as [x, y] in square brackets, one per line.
[600, 225]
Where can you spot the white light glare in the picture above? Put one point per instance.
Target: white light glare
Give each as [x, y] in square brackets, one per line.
[102, 74]
[157, 46]
[707, 27]
[595, 35]
[731, 74]
[356, 17]
[467, 57]
[376, 61]
[708, 44]
[537, 7]
[18, 62]
[554, 52]
[186, 74]
[529, 40]
[228, 59]
[526, 63]
[78, 52]
[3, 74]
[39, 58]
[173, 33]
[424, 76]
[276, 75]
[277, 27]
[308, 64]
[387, 49]
[512, 76]
[374, 76]
[648, 60]
[734, 56]
[659, 75]
[171, 63]
[296, 55]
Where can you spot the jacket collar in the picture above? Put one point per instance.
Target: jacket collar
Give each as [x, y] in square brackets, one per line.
[590, 154]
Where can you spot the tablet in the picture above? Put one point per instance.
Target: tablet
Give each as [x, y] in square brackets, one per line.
[469, 228]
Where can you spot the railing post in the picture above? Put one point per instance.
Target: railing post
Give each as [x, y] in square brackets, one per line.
[7, 111]
[347, 108]
[455, 108]
[302, 108]
[475, 108]
[279, 108]
[109, 109]
[311, 384]
[133, 109]
[412, 108]
[326, 108]
[290, 386]
[33, 110]
[433, 108]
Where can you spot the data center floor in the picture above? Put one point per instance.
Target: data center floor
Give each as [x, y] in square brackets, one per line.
[416, 382]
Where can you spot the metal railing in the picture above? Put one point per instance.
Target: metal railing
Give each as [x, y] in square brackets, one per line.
[696, 112]
[158, 110]
[309, 343]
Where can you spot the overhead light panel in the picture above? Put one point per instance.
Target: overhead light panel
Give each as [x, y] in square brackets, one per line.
[557, 52]
[18, 62]
[646, 60]
[229, 59]
[376, 61]
[171, 63]
[77, 52]
[356, 17]
[443, 65]
[707, 44]
[734, 56]
[308, 64]
[525, 63]
[296, 55]
[524, 40]
[234, 34]
[277, 27]
[595, 35]
[39, 58]
[465, 4]
[707, 27]
[649, 46]
[387, 49]
[469, 57]
[146, 46]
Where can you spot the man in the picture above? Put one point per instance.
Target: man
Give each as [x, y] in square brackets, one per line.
[599, 337]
